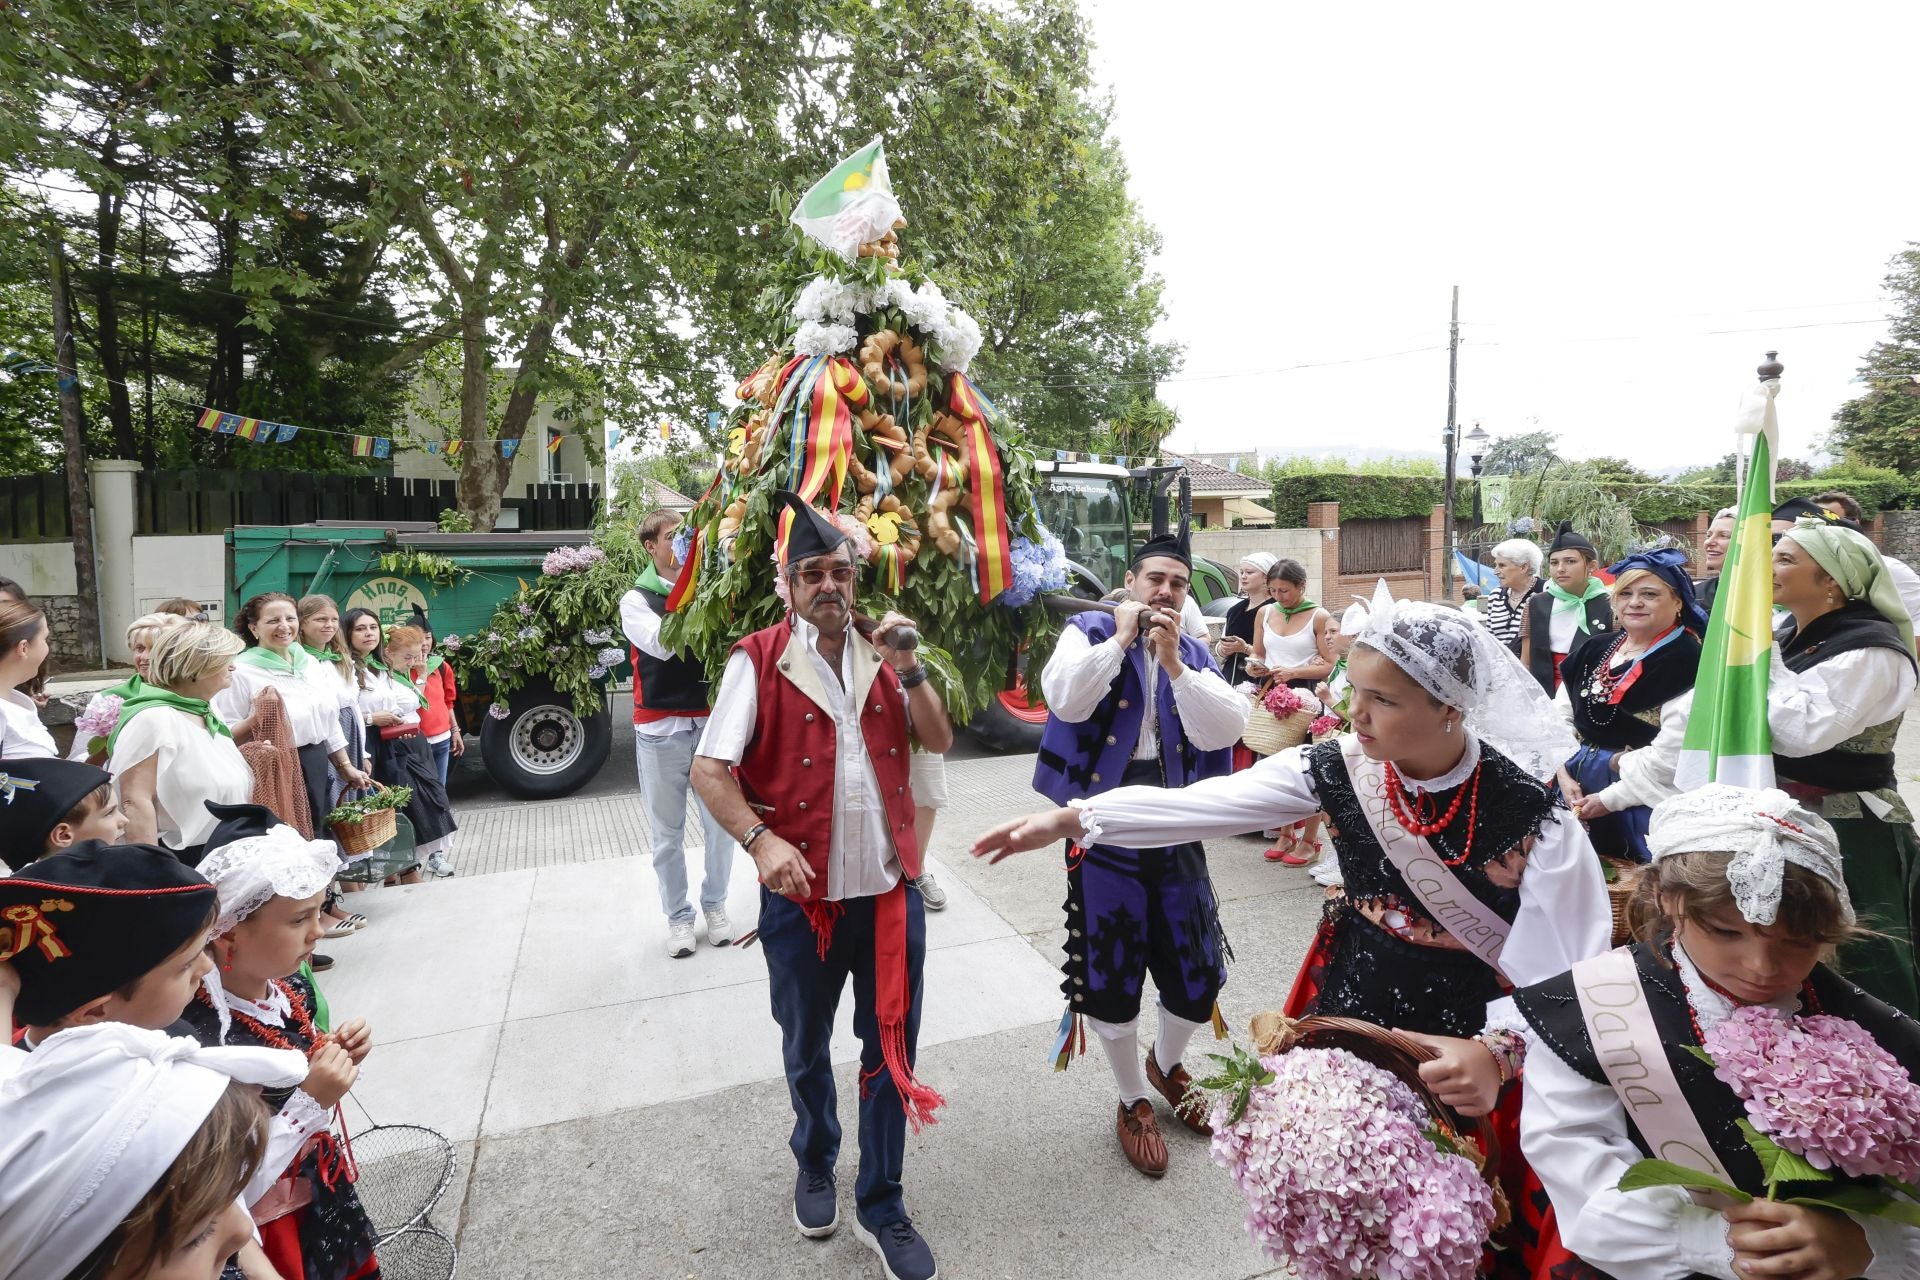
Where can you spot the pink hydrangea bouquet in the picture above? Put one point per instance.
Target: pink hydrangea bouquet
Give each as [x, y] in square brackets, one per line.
[1324, 725]
[1820, 1096]
[98, 721]
[1281, 700]
[1343, 1172]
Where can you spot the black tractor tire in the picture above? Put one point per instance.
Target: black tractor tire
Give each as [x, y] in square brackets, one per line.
[542, 750]
[1000, 728]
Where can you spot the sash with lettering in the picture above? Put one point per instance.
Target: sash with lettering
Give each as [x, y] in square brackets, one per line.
[1627, 1046]
[1471, 922]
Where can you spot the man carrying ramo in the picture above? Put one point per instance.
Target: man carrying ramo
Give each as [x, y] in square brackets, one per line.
[805, 760]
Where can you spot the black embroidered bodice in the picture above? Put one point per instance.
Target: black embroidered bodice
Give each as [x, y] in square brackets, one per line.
[1633, 721]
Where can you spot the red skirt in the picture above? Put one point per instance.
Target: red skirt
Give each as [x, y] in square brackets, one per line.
[280, 1241]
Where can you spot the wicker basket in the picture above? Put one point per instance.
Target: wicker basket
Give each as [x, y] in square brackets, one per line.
[1620, 887]
[363, 835]
[1267, 734]
[1389, 1050]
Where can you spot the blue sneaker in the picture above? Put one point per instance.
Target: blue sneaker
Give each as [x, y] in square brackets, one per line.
[903, 1254]
[816, 1209]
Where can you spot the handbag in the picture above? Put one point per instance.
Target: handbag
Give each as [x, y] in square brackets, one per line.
[1267, 734]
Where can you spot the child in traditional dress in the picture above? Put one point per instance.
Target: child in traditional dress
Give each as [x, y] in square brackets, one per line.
[1744, 901]
[439, 725]
[402, 757]
[123, 1152]
[52, 804]
[271, 886]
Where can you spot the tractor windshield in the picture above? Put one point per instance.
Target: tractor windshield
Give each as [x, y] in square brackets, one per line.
[1089, 514]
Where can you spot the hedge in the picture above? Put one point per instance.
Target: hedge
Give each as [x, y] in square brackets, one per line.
[1364, 497]
[1394, 497]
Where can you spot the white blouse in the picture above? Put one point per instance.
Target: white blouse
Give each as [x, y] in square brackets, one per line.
[1574, 1134]
[22, 736]
[312, 700]
[1564, 914]
[1808, 711]
[191, 767]
[1080, 674]
[384, 693]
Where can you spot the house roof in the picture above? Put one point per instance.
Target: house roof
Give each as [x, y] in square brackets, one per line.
[659, 495]
[1206, 479]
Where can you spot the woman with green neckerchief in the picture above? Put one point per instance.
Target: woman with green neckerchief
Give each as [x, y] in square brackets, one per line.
[269, 625]
[141, 633]
[1574, 606]
[1292, 643]
[170, 753]
[320, 637]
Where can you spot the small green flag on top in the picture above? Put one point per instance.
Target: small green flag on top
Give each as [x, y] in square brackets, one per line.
[853, 205]
[1727, 738]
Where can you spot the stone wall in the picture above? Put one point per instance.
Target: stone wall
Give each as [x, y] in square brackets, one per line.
[63, 629]
[1900, 535]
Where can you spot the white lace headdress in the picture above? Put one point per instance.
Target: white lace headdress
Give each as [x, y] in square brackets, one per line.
[246, 873]
[1462, 664]
[92, 1119]
[1763, 829]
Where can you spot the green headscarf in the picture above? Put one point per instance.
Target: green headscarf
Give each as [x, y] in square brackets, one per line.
[1854, 564]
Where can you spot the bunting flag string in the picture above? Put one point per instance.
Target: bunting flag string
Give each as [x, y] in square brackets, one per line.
[261, 431]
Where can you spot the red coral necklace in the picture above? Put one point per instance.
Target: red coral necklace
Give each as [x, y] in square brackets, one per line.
[1419, 818]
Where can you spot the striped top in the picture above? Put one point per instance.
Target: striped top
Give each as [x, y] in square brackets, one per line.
[1504, 615]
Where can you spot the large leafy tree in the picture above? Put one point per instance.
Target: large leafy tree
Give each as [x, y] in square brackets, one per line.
[1882, 427]
[1529, 453]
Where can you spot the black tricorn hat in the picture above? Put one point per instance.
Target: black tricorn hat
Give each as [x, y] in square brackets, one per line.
[36, 795]
[1167, 544]
[94, 918]
[812, 533]
[1568, 540]
[1806, 509]
[239, 822]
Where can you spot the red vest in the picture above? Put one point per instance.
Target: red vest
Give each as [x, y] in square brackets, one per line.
[787, 770]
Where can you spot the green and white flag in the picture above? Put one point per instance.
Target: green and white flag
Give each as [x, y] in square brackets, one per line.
[1728, 739]
[851, 206]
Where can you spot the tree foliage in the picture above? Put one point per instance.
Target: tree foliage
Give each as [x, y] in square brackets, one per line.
[1881, 428]
[1526, 454]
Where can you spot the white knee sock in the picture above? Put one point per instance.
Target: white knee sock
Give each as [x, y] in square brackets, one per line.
[1175, 1033]
[1121, 1040]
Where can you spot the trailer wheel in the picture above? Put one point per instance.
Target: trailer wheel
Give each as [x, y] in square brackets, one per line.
[1011, 722]
[542, 750]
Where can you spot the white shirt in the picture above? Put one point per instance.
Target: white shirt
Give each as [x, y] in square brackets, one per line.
[1080, 673]
[1808, 711]
[1193, 620]
[1574, 1134]
[1563, 626]
[1564, 915]
[313, 704]
[384, 693]
[22, 736]
[861, 862]
[641, 625]
[191, 767]
[1907, 583]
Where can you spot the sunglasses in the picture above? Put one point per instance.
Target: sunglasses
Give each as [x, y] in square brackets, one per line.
[841, 574]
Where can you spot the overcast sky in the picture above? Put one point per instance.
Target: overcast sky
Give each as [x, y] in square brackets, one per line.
[1608, 185]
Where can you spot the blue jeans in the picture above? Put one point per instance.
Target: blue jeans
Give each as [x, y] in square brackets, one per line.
[666, 766]
[806, 993]
[442, 753]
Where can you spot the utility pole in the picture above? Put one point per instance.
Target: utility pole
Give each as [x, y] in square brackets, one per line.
[1448, 441]
[86, 578]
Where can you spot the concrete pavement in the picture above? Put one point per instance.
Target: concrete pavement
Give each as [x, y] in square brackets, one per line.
[618, 1113]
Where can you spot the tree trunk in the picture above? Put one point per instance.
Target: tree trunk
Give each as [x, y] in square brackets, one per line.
[73, 436]
[483, 472]
[106, 305]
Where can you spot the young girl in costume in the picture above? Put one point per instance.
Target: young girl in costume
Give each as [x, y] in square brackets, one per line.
[271, 885]
[1460, 872]
[404, 759]
[384, 705]
[1744, 901]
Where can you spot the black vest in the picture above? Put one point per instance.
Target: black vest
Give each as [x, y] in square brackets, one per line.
[1634, 721]
[1552, 1009]
[1854, 625]
[675, 684]
[1540, 629]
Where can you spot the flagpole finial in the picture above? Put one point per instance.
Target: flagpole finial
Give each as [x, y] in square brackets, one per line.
[1772, 368]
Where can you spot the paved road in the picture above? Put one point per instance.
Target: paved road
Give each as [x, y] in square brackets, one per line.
[617, 1113]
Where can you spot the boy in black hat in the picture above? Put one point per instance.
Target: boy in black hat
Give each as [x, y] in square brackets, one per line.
[105, 933]
[47, 804]
[1574, 606]
[1133, 700]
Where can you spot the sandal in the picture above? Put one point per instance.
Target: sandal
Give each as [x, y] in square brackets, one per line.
[1283, 849]
[1294, 858]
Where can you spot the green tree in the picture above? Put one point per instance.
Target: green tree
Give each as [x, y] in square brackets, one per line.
[1881, 428]
[1615, 471]
[1526, 454]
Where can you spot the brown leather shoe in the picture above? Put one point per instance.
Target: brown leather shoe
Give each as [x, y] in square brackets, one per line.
[1140, 1138]
[1173, 1086]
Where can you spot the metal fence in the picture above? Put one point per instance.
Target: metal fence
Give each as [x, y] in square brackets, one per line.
[1383, 546]
[34, 508]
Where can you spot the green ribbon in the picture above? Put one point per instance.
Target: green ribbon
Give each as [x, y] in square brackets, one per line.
[1564, 601]
[292, 664]
[1290, 609]
[398, 679]
[152, 695]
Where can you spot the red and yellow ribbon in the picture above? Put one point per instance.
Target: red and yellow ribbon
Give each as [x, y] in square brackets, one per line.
[988, 498]
[31, 927]
[689, 576]
[823, 436]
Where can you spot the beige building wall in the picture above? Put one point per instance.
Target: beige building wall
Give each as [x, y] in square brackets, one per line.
[437, 419]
